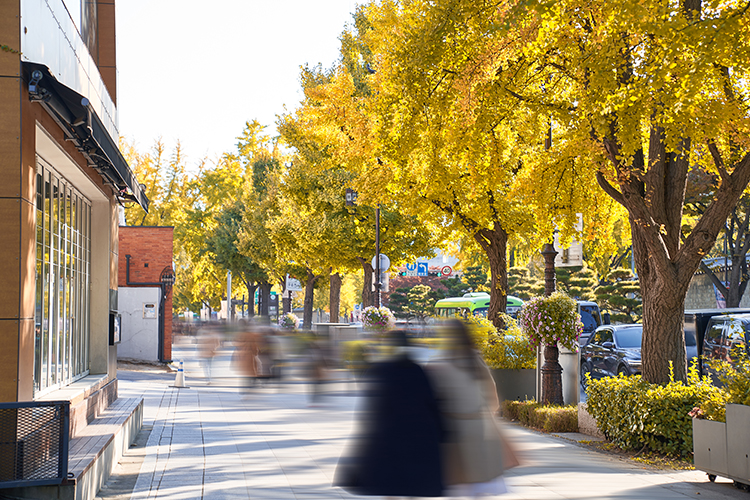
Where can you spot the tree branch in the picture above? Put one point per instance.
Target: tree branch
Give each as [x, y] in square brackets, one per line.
[718, 160]
[703, 236]
[715, 280]
[609, 189]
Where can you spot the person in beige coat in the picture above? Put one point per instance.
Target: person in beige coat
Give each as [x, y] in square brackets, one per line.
[474, 454]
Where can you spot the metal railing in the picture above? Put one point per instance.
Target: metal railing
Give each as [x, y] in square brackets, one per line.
[34, 439]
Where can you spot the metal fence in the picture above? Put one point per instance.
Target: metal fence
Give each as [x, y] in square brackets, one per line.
[34, 440]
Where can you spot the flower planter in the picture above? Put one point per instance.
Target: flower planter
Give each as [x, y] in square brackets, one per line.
[710, 446]
[738, 442]
[723, 449]
[515, 385]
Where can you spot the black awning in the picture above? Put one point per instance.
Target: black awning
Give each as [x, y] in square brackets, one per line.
[84, 128]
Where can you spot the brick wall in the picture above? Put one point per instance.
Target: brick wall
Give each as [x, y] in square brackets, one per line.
[150, 250]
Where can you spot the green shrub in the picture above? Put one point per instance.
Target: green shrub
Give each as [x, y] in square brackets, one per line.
[508, 349]
[518, 410]
[538, 416]
[633, 413]
[557, 418]
[735, 377]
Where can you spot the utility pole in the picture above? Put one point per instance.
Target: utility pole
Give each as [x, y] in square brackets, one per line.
[229, 296]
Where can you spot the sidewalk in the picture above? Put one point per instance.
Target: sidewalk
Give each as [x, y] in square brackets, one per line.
[211, 442]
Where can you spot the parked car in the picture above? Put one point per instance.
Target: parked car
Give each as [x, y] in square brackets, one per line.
[611, 350]
[723, 334]
[696, 323]
[615, 349]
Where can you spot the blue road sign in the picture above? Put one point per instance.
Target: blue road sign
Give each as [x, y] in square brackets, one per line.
[411, 267]
[421, 268]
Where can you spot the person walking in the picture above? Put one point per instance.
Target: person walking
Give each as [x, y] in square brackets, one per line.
[397, 452]
[475, 453]
[246, 356]
[209, 342]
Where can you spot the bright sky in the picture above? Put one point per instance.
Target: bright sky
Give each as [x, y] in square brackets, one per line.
[196, 71]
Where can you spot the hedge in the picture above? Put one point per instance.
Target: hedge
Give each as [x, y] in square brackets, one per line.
[634, 414]
[542, 417]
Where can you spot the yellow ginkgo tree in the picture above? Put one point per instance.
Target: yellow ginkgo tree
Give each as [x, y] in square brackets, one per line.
[647, 91]
[453, 146]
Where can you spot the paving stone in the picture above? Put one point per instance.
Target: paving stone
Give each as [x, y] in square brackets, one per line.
[214, 442]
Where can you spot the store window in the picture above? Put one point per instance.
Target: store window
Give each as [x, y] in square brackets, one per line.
[63, 251]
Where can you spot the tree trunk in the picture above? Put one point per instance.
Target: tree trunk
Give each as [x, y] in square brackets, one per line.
[495, 245]
[308, 306]
[368, 296]
[251, 299]
[665, 262]
[335, 297]
[264, 297]
[663, 313]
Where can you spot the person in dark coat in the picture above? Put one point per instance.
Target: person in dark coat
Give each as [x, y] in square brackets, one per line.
[398, 451]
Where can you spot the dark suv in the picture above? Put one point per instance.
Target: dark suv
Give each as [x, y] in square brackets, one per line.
[723, 334]
[615, 349]
[612, 349]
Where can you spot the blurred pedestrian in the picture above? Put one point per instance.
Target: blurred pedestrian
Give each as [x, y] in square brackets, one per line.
[398, 450]
[474, 452]
[245, 358]
[277, 354]
[317, 364]
[264, 362]
[209, 341]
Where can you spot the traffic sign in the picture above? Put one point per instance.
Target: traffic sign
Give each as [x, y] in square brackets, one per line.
[293, 284]
[446, 271]
[385, 263]
[422, 269]
[411, 270]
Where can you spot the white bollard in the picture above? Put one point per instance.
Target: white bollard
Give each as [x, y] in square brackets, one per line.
[179, 380]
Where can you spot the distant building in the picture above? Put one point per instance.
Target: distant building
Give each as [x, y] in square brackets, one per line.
[145, 293]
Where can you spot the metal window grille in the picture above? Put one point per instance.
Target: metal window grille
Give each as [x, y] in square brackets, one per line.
[34, 439]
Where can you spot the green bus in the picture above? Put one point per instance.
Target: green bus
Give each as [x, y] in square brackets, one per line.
[475, 303]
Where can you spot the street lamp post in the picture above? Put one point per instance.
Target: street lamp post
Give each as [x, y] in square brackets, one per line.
[378, 283]
[552, 392]
[350, 200]
[549, 253]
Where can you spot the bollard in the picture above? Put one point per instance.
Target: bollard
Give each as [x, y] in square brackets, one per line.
[179, 381]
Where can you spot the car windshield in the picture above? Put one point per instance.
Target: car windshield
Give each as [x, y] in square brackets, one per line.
[589, 318]
[629, 338]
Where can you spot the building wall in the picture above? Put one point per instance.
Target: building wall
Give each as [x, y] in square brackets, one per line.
[26, 130]
[150, 249]
[701, 294]
[11, 203]
[139, 329]
[49, 36]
